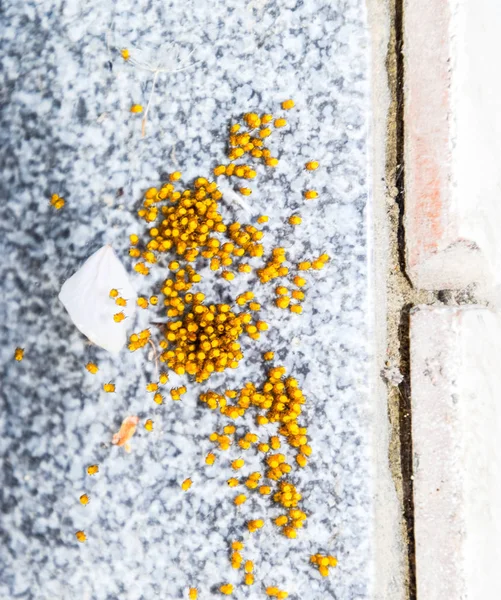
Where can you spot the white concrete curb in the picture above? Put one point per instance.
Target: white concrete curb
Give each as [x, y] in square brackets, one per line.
[456, 427]
[452, 142]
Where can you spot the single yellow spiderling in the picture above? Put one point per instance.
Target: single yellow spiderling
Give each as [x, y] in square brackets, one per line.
[193, 593]
[237, 464]
[151, 387]
[249, 566]
[265, 490]
[263, 219]
[141, 268]
[280, 123]
[301, 460]
[163, 378]
[109, 387]
[296, 308]
[134, 239]
[119, 317]
[219, 170]
[125, 53]
[323, 570]
[80, 535]
[272, 591]
[264, 133]
[299, 281]
[232, 482]
[281, 290]
[255, 524]
[275, 442]
[113, 293]
[237, 545]
[240, 499]
[271, 161]
[332, 561]
[92, 367]
[312, 165]
[210, 459]
[158, 398]
[228, 275]
[283, 301]
[136, 108]
[226, 589]
[176, 176]
[19, 354]
[187, 483]
[297, 294]
[142, 302]
[249, 579]
[153, 300]
[92, 469]
[310, 194]
[148, 425]
[295, 220]
[269, 355]
[245, 191]
[57, 202]
[305, 265]
[84, 499]
[282, 595]
[288, 104]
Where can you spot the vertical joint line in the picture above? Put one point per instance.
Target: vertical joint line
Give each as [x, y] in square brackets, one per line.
[405, 425]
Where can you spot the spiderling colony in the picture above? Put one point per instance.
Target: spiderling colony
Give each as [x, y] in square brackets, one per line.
[185, 227]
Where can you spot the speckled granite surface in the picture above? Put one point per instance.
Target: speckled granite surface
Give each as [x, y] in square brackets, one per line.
[66, 128]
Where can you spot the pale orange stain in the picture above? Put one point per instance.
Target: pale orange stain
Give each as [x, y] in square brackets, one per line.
[429, 208]
[126, 431]
[428, 129]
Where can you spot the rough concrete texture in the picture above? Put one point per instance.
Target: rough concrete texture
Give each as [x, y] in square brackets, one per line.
[456, 423]
[390, 535]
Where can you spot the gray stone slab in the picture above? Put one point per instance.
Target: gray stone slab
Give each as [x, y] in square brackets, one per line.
[66, 128]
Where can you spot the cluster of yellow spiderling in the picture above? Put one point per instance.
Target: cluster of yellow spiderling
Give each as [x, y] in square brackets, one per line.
[237, 561]
[323, 562]
[279, 401]
[57, 202]
[274, 267]
[288, 497]
[275, 592]
[205, 339]
[286, 298]
[224, 441]
[316, 263]
[226, 589]
[250, 141]
[139, 340]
